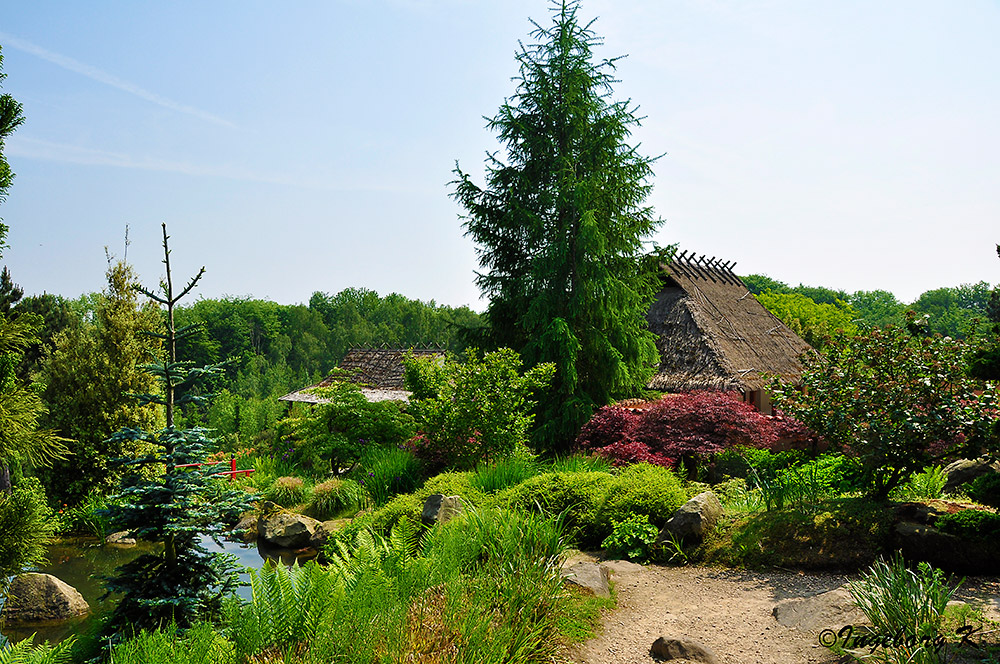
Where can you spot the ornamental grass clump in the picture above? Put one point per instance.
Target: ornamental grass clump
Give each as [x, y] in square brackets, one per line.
[334, 498]
[906, 610]
[287, 491]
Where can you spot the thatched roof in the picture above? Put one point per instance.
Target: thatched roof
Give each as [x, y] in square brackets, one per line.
[713, 334]
[378, 371]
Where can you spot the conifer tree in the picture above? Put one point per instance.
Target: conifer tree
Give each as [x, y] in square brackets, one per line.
[560, 226]
[183, 581]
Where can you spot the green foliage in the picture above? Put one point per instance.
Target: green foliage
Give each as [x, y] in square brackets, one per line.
[560, 227]
[90, 378]
[492, 477]
[198, 645]
[333, 435]
[385, 472]
[25, 652]
[744, 462]
[27, 525]
[972, 524]
[287, 609]
[810, 320]
[985, 489]
[896, 402]
[900, 601]
[287, 491]
[472, 411]
[640, 489]
[925, 485]
[579, 463]
[576, 496]
[11, 117]
[180, 582]
[878, 308]
[335, 497]
[87, 517]
[630, 538]
[951, 311]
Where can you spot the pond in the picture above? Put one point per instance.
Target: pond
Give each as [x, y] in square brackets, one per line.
[83, 562]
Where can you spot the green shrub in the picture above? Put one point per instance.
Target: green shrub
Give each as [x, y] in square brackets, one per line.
[335, 497]
[579, 463]
[925, 485]
[385, 472]
[492, 477]
[452, 484]
[743, 461]
[88, 517]
[640, 489]
[973, 524]
[380, 520]
[198, 645]
[631, 538]
[287, 491]
[578, 496]
[985, 489]
[26, 652]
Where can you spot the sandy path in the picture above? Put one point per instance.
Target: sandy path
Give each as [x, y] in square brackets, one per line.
[728, 611]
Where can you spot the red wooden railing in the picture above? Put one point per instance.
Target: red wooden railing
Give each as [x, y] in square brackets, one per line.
[232, 472]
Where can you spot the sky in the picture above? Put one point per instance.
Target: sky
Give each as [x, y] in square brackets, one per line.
[309, 146]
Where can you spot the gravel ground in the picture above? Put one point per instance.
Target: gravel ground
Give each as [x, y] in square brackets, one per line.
[729, 611]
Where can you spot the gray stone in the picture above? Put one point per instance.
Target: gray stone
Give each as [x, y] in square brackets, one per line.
[288, 530]
[668, 648]
[246, 528]
[591, 576]
[439, 508]
[965, 470]
[122, 539]
[37, 598]
[694, 519]
[829, 610]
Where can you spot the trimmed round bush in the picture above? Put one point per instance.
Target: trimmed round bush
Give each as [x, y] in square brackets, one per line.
[640, 489]
[576, 495]
[287, 491]
[971, 524]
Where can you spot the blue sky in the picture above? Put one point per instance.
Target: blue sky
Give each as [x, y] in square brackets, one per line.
[296, 147]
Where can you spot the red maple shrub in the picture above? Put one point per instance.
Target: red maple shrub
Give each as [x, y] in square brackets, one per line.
[689, 428]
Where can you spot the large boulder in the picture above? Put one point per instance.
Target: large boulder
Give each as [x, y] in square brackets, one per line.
[683, 648]
[38, 598]
[439, 508]
[289, 530]
[919, 542]
[589, 576]
[965, 470]
[693, 520]
[829, 610]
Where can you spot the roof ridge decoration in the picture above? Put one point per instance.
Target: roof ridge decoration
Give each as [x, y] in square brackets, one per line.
[705, 267]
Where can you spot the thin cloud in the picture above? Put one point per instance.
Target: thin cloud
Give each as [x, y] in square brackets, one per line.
[104, 77]
[41, 150]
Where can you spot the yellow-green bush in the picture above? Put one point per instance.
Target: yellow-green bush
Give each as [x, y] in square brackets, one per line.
[578, 495]
[640, 489]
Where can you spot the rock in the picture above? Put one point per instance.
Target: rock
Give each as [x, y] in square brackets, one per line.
[916, 513]
[288, 530]
[668, 648]
[441, 509]
[830, 610]
[35, 598]
[918, 542]
[121, 539]
[965, 470]
[623, 567]
[694, 519]
[591, 576]
[245, 529]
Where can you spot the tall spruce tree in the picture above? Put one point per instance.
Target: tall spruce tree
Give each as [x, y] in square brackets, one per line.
[560, 226]
[181, 581]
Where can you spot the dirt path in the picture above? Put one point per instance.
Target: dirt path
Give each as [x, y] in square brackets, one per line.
[728, 611]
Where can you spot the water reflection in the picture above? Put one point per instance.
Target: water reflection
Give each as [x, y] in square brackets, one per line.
[84, 563]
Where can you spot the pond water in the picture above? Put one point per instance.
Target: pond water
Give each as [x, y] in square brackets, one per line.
[83, 563]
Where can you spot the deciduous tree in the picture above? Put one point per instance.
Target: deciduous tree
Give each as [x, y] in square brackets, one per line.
[560, 226]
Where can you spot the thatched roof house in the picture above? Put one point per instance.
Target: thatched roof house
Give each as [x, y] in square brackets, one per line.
[378, 371]
[713, 334]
